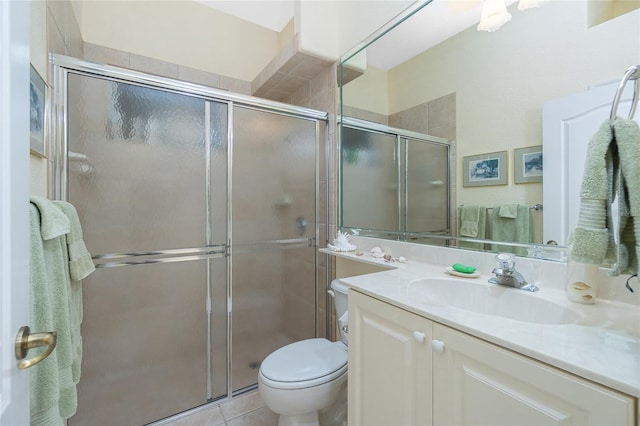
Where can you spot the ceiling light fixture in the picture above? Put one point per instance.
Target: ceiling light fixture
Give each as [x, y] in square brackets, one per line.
[494, 15]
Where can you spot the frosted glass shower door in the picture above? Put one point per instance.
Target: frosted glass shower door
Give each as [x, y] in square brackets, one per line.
[369, 180]
[141, 171]
[273, 228]
[427, 187]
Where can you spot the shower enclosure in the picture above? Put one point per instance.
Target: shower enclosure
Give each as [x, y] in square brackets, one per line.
[393, 182]
[199, 208]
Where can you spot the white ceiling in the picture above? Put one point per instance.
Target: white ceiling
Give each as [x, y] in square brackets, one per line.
[435, 23]
[271, 14]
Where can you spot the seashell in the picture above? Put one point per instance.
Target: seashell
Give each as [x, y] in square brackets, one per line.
[402, 259]
[359, 253]
[388, 258]
[579, 285]
[377, 252]
[341, 243]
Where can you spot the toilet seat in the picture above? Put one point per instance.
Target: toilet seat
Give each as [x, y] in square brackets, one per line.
[304, 364]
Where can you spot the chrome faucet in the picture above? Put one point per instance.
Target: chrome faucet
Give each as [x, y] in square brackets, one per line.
[506, 274]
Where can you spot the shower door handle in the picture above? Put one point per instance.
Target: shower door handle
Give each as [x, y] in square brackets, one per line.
[25, 341]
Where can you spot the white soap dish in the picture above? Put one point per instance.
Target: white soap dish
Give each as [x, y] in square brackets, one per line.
[452, 271]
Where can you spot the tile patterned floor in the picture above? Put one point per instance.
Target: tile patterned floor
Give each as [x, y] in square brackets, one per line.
[246, 410]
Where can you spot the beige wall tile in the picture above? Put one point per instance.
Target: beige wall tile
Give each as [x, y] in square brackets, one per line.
[193, 75]
[153, 66]
[106, 55]
[235, 85]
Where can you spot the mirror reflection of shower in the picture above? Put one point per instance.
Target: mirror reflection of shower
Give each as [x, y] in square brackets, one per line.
[80, 164]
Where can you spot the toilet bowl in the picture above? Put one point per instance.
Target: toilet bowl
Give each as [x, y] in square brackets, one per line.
[302, 378]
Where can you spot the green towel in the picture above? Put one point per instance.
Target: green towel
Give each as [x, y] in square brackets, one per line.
[612, 167]
[511, 229]
[590, 240]
[80, 266]
[57, 255]
[508, 211]
[627, 138]
[469, 221]
[472, 222]
[47, 287]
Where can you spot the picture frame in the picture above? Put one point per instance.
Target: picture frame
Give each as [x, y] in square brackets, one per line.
[528, 164]
[37, 113]
[485, 169]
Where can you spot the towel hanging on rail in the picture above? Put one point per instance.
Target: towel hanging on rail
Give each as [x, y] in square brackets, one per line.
[58, 261]
[612, 168]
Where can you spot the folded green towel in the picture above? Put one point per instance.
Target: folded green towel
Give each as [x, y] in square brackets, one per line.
[469, 221]
[515, 229]
[54, 222]
[80, 266]
[508, 211]
[475, 229]
[80, 263]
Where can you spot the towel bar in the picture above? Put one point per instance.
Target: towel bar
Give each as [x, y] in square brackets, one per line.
[536, 207]
[633, 73]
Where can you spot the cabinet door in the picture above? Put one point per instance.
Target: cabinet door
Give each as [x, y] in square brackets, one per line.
[389, 364]
[477, 383]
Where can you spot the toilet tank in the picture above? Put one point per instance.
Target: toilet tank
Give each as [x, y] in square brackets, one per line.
[339, 295]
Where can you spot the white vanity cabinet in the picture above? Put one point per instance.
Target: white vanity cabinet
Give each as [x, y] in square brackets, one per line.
[389, 364]
[452, 378]
[479, 383]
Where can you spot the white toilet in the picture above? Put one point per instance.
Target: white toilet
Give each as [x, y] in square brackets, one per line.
[302, 378]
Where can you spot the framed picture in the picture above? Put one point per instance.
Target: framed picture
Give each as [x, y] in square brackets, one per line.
[37, 116]
[485, 169]
[527, 164]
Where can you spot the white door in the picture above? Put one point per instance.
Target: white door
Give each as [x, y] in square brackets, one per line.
[569, 124]
[14, 206]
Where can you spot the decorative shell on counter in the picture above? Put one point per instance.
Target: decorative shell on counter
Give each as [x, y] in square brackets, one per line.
[341, 243]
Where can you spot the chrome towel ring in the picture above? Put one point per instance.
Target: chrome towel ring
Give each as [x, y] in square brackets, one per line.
[633, 73]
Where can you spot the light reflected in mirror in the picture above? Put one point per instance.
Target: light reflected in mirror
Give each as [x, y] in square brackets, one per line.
[485, 92]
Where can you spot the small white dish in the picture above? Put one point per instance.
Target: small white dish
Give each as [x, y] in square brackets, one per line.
[452, 271]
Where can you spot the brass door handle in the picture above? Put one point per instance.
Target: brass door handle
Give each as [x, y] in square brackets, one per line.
[25, 341]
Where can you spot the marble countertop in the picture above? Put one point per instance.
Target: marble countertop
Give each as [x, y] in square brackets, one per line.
[602, 345]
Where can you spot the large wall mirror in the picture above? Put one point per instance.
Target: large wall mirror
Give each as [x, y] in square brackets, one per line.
[434, 73]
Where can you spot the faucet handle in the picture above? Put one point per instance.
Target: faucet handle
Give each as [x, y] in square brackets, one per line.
[507, 261]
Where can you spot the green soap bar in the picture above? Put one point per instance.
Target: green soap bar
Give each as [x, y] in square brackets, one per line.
[459, 267]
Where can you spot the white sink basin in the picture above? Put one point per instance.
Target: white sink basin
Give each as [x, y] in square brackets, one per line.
[492, 299]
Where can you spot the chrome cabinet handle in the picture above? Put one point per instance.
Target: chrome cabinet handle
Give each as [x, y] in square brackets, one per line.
[25, 340]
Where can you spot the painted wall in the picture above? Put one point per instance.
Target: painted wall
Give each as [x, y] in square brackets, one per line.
[495, 110]
[370, 91]
[181, 32]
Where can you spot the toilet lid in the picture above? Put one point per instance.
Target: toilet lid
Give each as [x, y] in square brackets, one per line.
[305, 360]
